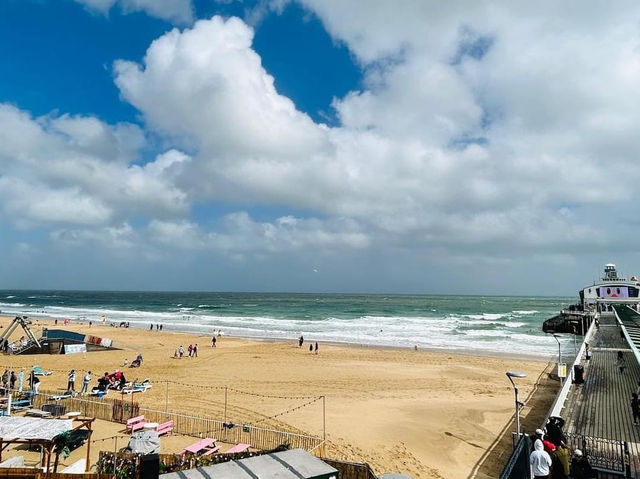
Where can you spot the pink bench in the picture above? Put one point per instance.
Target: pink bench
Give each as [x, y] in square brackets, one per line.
[164, 428]
[238, 448]
[136, 423]
[211, 451]
[199, 446]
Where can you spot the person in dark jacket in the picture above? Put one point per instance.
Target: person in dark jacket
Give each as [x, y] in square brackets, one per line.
[580, 467]
[635, 408]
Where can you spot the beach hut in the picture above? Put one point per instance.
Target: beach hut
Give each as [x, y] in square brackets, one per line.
[42, 432]
[293, 464]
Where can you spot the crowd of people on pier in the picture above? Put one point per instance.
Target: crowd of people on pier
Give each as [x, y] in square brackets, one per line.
[552, 459]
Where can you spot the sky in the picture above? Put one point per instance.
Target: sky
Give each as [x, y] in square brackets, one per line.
[463, 147]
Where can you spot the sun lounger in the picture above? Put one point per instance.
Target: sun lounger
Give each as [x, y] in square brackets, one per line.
[38, 371]
[238, 448]
[58, 397]
[138, 388]
[136, 423]
[21, 404]
[199, 446]
[164, 428]
[37, 413]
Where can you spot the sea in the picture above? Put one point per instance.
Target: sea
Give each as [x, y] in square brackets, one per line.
[475, 324]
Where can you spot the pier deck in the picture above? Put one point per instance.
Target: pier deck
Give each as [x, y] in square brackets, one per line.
[600, 407]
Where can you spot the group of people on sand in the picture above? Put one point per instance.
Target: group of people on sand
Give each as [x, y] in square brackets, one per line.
[9, 380]
[157, 326]
[15, 382]
[312, 348]
[552, 459]
[192, 351]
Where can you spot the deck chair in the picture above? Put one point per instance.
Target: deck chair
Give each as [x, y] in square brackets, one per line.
[38, 371]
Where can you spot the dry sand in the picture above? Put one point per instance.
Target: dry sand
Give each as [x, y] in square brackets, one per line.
[427, 414]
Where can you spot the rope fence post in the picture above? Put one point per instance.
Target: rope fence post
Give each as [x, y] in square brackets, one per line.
[225, 404]
[166, 400]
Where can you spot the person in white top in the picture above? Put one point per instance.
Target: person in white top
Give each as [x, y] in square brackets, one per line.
[540, 461]
[85, 382]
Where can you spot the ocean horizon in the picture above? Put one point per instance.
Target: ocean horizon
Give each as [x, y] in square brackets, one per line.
[473, 323]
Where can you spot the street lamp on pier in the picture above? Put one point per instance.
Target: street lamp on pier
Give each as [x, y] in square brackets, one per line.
[511, 375]
[559, 357]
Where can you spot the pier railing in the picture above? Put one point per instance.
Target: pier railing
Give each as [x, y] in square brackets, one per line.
[517, 467]
[561, 397]
[603, 454]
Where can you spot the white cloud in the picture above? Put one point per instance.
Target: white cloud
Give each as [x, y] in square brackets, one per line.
[441, 145]
[79, 170]
[240, 234]
[480, 130]
[175, 11]
[206, 88]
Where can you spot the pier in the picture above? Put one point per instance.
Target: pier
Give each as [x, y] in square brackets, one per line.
[597, 412]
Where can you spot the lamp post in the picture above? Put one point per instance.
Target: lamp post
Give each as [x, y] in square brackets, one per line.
[559, 357]
[511, 375]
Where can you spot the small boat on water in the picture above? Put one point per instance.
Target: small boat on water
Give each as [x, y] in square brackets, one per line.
[600, 296]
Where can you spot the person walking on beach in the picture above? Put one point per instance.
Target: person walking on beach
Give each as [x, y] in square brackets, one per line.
[21, 380]
[12, 380]
[316, 350]
[540, 461]
[213, 341]
[181, 351]
[195, 350]
[71, 383]
[190, 350]
[151, 327]
[300, 341]
[34, 382]
[85, 382]
[5, 379]
[310, 347]
[635, 408]
[161, 327]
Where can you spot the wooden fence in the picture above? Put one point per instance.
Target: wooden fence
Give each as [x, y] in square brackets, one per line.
[116, 410]
[32, 473]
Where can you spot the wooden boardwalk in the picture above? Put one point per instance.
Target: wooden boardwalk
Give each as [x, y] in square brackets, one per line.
[600, 407]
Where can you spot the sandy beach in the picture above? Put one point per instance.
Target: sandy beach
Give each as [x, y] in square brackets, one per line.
[423, 413]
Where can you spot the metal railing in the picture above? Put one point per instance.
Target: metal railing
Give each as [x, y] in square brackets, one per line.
[517, 467]
[604, 454]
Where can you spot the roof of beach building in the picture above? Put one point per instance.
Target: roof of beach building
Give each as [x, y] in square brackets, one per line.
[292, 464]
